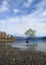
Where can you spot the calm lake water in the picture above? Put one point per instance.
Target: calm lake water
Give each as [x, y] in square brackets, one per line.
[39, 45]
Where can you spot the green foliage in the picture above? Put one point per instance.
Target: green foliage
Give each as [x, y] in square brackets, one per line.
[30, 32]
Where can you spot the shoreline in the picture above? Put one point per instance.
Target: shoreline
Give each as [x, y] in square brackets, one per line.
[14, 56]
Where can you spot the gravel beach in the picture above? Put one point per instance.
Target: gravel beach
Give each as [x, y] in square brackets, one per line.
[14, 56]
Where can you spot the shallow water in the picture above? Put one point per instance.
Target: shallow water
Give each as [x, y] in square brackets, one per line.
[39, 46]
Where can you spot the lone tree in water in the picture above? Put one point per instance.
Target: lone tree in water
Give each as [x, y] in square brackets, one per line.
[30, 33]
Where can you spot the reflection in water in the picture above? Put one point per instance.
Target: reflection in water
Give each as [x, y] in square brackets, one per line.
[5, 43]
[39, 46]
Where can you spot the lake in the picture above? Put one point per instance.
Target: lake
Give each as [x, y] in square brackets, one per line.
[37, 45]
[33, 45]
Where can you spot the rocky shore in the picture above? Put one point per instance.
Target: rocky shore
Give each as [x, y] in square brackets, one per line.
[14, 56]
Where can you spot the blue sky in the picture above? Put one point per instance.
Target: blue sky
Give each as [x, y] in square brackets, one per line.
[16, 16]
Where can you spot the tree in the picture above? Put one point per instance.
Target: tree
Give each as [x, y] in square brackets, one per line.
[30, 33]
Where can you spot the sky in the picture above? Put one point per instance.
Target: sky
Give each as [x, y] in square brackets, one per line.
[17, 16]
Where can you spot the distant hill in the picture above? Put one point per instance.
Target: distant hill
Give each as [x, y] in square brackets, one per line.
[20, 38]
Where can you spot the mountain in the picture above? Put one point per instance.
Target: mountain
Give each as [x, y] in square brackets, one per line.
[22, 38]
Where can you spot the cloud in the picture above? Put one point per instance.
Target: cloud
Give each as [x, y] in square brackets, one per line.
[28, 3]
[19, 24]
[3, 6]
[44, 13]
[16, 11]
[41, 9]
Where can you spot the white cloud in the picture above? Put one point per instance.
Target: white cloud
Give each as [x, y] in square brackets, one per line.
[44, 13]
[41, 10]
[28, 3]
[16, 10]
[41, 4]
[3, 6]
[21, 24]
